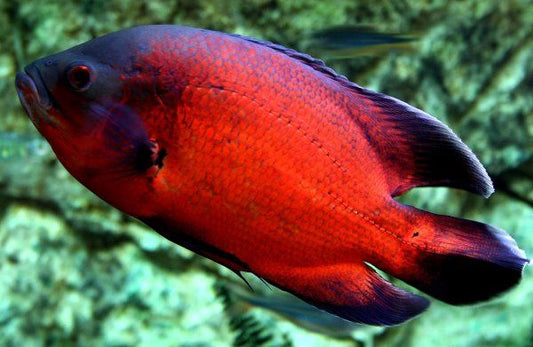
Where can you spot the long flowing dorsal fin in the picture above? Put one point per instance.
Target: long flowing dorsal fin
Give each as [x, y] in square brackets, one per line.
[418, 150]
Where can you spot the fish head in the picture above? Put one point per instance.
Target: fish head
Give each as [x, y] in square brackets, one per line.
[60, 93]
[80, 101]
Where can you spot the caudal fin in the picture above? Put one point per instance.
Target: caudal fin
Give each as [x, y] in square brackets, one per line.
[458, 261]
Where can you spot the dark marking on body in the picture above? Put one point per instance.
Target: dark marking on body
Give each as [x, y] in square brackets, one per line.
[150, 154]
[159, 158]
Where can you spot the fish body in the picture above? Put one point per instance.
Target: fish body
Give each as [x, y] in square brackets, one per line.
[264, 160]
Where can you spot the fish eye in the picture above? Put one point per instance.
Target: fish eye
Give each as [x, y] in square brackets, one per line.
[80, 77]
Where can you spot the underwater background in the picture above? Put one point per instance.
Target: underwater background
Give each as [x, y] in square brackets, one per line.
[76, 272]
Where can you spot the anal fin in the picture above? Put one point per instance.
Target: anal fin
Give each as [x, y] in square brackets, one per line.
[351, 291]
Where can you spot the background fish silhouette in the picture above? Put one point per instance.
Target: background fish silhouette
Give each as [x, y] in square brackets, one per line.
[238, 300]
[264, 160]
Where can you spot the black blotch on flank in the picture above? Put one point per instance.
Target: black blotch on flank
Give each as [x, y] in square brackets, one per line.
[143, 160]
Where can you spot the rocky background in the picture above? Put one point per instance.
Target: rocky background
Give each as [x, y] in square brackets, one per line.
[76, 272]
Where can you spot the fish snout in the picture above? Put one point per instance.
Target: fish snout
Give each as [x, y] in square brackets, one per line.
[34, 96]
[27, 93]
[31, 83]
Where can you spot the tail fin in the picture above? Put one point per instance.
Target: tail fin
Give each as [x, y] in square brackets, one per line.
[458, 261]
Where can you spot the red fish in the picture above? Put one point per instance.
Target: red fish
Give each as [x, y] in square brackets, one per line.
[265, 160]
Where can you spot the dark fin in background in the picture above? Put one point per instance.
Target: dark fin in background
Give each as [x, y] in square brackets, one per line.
[417, 149]
[352, 291]
[130, 151]
[349, 41]
[459, 261]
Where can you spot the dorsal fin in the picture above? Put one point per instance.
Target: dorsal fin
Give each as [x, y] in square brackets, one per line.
[419, 149]
[416, 148]
[316, 64]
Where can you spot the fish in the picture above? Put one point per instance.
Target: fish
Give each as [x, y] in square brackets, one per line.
[350, 41]
[265, 160]
[238, 301]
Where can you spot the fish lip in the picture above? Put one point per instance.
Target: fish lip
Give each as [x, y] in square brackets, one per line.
[34, 96]
[30, 85]
[28, 95]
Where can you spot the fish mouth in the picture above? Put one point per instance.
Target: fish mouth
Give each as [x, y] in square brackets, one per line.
[31, 83]
[33, 94]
